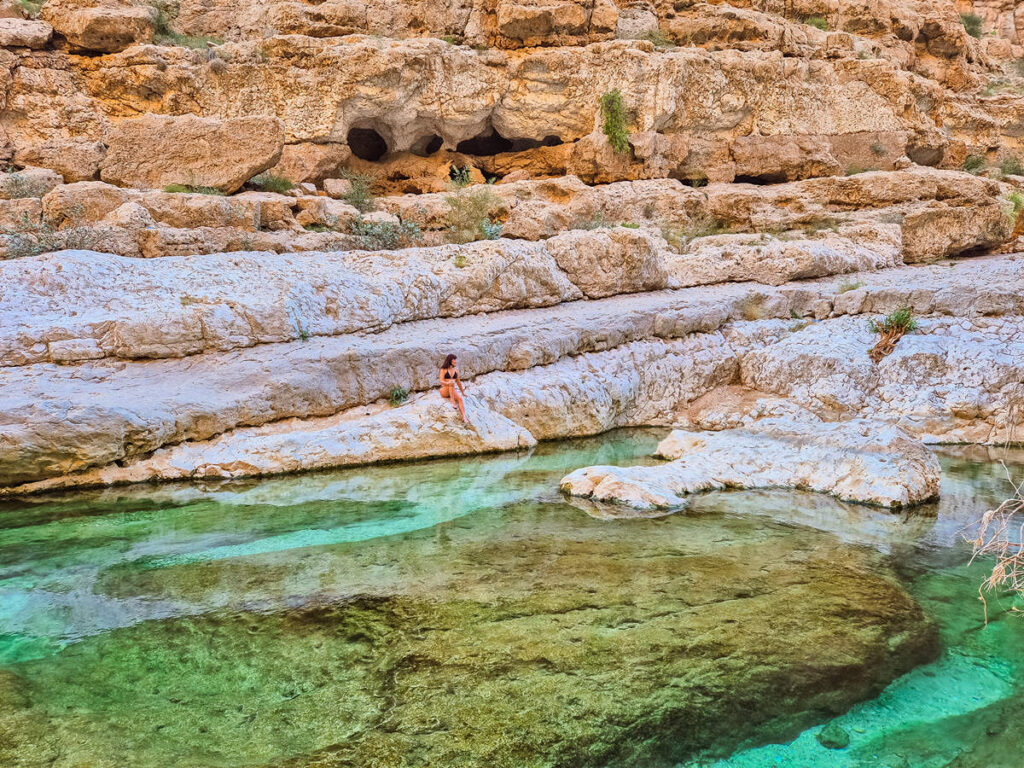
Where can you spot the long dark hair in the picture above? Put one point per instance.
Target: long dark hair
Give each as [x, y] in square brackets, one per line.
[448, 361]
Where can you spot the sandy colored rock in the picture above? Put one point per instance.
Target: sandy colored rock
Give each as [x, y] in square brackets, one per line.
[855, 460]
[106, 26]
[156, 151]
[311, 162]
[73, 160]
[24, 33]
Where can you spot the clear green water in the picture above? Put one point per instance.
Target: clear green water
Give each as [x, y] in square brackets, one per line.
[462, 612]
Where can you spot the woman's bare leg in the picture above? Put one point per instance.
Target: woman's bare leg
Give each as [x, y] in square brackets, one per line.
[457, 402]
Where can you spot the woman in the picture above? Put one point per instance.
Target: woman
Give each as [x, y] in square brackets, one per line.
[451, 384]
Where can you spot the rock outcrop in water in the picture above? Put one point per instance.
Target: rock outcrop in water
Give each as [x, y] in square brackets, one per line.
[855, 460]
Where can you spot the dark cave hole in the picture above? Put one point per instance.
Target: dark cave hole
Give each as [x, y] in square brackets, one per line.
[493, 143]
[765, 178]
[425, 146]
[367, 144]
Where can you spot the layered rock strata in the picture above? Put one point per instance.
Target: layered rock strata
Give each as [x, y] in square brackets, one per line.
[570, 369]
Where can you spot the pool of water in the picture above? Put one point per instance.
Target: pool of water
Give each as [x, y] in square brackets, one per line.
[429, 613]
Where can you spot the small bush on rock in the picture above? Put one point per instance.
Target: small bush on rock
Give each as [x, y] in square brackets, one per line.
[849, 285]
[659, 38]
[1014, 206]
[397, 396]
[974, 163]
[29, 238]
[271, 182]
[31, 8]
[1011, 166]
[890, 329]
[469, 217]
[188, 189]
[972, 23]
[459, 176]
[360, 196]
[817, 22]
[613, 110]
[385, 235]
[21, 185]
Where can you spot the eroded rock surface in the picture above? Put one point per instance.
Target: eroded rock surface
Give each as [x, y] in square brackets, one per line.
[855, 460]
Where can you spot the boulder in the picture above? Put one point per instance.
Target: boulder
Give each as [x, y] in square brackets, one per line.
[158, 150]
[82, 202]
[311, 162]
[72, 160]
[555, 22]
[24, 33]
[772, 159]
[107, 26]
[857, 461]
[610, 261]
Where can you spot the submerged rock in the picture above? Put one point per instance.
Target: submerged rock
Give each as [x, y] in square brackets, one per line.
[833, 736]
[857, 461]
[521, 636]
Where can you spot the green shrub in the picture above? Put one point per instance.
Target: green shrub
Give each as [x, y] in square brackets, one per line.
[397, 396]
[972, 23]
[853, 170]
[385, 235]
[630, 225]
[678, 236]
[595, 221]
[316, 227]
[900, 320]
[974, 163]
[849, 285]
[1014, 206]
[360, 196]
[613, 110]
[460, 177]
[19, 185]
[190, 190]
[659, 38]
[31, 8]
[878, 149]
[461, 261]
[32, 238]
[698, 181]
[271, 182]
[817, 22]
[469, 215]
[1011, 166]
[452, 40]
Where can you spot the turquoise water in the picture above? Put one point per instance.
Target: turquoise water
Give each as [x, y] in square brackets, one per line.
[463, 612]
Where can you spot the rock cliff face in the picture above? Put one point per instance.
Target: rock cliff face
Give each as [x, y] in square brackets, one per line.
[233, 234]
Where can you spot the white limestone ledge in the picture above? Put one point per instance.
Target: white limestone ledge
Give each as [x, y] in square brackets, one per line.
[859, 461]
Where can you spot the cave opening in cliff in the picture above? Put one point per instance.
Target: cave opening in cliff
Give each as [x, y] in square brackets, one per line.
[490, 142]
[367, 144]
[425, 146]
[764, 178]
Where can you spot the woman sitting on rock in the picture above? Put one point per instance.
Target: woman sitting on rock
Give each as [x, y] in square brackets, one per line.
[451, 384]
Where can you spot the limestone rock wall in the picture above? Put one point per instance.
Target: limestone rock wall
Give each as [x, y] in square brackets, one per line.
[230, 234]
